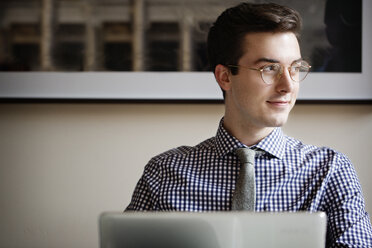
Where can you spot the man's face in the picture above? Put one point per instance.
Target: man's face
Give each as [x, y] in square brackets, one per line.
[248, 99]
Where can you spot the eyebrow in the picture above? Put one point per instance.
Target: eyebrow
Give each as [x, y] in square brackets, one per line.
[268, 60]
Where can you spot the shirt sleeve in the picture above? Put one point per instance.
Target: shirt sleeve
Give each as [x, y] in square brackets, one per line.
[348, 222]
[145, 193]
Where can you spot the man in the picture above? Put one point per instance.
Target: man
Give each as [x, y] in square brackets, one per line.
[255, 56]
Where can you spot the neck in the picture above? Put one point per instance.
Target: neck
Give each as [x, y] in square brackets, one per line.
[245, 133]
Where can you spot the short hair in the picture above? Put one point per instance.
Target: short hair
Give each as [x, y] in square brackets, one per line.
[226, 35]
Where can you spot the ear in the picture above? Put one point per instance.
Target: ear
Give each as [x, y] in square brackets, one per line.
[222, 75]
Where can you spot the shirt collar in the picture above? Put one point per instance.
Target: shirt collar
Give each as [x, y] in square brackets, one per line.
[273, 144]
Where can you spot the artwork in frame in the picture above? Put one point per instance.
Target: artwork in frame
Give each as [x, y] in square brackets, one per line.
[346, 78]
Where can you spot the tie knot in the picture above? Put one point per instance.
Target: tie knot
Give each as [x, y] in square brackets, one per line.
[246, 155]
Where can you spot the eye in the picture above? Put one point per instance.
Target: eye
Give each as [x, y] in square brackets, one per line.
[296, 68]
[300, 66]
[272, 68]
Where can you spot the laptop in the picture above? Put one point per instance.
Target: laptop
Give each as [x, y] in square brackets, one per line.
[212, 230]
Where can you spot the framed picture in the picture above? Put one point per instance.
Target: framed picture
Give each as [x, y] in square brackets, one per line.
[344, 76]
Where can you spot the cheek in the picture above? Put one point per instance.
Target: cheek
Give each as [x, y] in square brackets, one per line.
[296, 90]
[249, 94]
[244, 91]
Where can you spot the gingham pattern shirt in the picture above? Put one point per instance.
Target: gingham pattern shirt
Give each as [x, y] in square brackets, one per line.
[290, 176]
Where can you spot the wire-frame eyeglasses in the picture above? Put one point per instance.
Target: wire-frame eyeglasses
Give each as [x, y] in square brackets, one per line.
[271, 73]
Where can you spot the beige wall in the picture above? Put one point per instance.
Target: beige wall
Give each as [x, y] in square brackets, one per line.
[63, 164]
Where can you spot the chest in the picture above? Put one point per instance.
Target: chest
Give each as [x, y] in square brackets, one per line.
[279, 186]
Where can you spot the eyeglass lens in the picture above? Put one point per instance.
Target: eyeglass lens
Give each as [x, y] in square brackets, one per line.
[298, 72]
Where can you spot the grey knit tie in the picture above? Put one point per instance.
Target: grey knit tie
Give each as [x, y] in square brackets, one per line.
[244, 197]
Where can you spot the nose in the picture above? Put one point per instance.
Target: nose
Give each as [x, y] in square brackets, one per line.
[285, 84]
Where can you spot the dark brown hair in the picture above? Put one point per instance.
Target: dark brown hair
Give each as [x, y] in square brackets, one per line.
[227, 33]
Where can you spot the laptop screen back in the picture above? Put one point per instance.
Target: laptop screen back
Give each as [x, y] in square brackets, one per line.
[212, 230]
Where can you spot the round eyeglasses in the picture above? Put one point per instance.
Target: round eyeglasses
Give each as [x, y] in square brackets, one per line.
[271, 73]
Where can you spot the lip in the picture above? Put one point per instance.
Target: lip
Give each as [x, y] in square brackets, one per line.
[279, 103]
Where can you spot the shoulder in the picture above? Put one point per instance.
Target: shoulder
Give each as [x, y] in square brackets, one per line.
[184, 152]
[320, 154]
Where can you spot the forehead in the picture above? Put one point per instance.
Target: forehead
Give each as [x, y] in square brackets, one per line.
[282, 47]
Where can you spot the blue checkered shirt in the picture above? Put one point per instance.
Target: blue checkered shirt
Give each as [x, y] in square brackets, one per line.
[290, 176]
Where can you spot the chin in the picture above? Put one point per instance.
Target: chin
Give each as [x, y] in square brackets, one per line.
[278, 122]
[277, 117]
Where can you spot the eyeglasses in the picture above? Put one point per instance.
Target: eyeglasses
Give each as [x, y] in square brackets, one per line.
[272, 72]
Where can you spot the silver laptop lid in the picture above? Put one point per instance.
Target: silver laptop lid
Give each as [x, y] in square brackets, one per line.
[212, 230]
